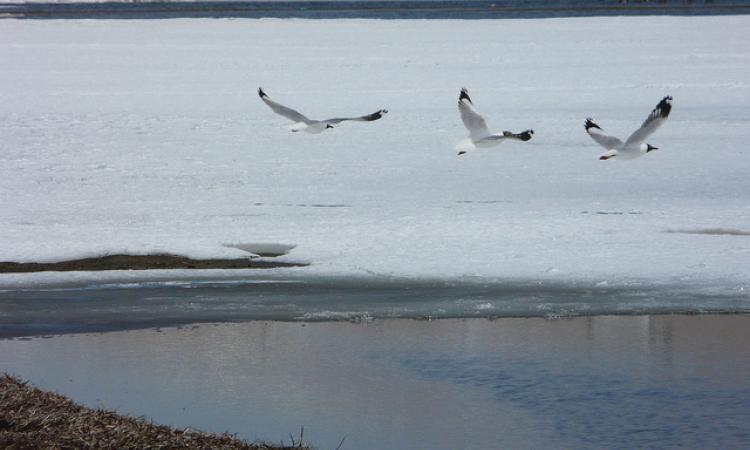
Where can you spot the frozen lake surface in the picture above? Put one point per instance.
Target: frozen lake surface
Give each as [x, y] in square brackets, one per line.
[148, 137]
[596, 382]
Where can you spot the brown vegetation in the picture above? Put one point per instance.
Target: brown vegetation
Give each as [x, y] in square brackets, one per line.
[143, 262]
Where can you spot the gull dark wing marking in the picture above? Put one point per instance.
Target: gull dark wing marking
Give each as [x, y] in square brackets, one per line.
[522, 136]
[368, 118]
[597, 134]
[654, 120]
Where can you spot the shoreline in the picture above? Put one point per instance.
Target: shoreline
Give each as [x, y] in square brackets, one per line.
[33, 418]
[142, 262]
[439, 9]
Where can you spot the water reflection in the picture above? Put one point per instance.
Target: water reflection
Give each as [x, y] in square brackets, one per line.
[664, 381]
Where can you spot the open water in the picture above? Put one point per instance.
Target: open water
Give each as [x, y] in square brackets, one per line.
[592, 382]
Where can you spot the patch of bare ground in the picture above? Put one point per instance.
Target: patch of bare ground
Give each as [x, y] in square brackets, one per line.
[143, 262]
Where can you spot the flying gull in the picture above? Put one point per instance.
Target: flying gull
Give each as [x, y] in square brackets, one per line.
[302, 123]
[479, 135]
[634, 146]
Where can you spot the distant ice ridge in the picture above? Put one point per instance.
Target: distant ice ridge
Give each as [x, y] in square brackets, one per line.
[91, 164]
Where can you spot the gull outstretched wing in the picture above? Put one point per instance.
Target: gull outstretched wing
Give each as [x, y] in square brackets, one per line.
[368, 118]
[472, 120]
[654, 120]
[597, 134]
[282, 110]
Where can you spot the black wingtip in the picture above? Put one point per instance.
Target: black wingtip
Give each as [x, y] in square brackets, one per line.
[665, 106]
[261, 93]
[590, 124]
[523, 136]
[464, 95]
[461, 153]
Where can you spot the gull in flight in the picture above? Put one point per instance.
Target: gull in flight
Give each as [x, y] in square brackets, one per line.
[634, 146]
[302, 123]
[479, 135]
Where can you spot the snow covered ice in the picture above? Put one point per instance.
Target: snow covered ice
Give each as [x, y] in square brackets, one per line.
[148, 137]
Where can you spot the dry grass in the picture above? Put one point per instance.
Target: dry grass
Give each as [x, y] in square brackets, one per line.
[31, 419]
[143, 262]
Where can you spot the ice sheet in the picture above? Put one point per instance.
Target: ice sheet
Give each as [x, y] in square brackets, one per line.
[148, 137]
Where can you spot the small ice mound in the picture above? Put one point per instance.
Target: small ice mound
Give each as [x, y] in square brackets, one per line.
[710, 231]
[268, 249]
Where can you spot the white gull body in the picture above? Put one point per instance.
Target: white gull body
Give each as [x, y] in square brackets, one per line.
[479, 134]
[634, 147]
[303, 123]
